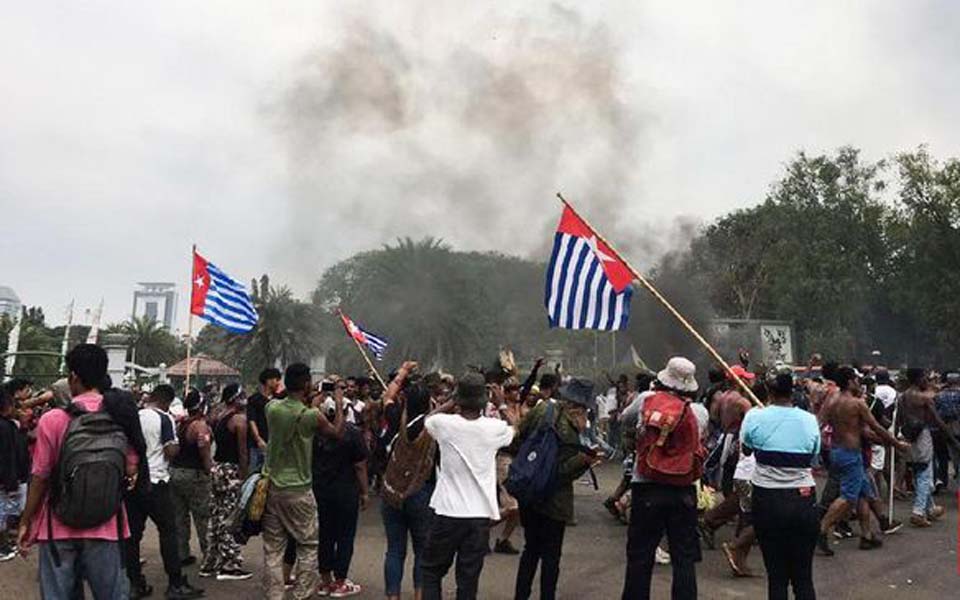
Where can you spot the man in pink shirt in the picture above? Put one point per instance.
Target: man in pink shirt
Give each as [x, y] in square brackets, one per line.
[68, 554]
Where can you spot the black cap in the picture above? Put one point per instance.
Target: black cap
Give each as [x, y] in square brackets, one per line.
[578, 391]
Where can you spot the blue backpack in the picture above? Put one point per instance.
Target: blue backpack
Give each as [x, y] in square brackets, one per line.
[533, 473]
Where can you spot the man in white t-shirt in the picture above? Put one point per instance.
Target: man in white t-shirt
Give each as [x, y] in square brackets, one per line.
[465, 498]
[156, 501]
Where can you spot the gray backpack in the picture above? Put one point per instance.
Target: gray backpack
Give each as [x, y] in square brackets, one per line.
[89, 481]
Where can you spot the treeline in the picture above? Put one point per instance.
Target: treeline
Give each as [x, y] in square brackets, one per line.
[861, 256]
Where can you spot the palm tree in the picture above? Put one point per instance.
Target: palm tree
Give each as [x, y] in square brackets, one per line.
[150, 343]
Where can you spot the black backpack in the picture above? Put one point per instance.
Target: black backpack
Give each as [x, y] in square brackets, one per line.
[532, 478]
[89, 479]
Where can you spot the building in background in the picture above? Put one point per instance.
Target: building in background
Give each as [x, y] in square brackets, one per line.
[157, 301]
[9, 302]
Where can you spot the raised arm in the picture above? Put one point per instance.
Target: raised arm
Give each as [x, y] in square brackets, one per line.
[393, 389]
[531, 379]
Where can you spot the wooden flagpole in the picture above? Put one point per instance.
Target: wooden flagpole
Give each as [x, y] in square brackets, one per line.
[893, 463]
[656, 294]
[363, 353]
[186, 384]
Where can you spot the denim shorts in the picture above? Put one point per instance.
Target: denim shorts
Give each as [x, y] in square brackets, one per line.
[848, 465]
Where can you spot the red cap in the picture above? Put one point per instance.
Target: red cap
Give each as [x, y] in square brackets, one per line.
[742, 373]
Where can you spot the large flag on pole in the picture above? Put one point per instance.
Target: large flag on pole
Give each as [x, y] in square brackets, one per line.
[588, 287]
[375, 344]
[220, 299]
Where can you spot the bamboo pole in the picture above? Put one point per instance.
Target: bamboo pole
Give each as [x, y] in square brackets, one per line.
[186, 384]
[362, 352]
[893, 462]
[656, 294]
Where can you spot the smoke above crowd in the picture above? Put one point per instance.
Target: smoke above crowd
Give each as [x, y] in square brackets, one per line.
[387, 136]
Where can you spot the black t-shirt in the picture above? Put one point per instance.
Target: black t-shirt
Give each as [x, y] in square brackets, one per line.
[257, 413]
[334, 460]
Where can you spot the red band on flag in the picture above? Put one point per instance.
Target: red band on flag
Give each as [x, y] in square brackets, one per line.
[352, 329]
[616, 271]
[199, 285]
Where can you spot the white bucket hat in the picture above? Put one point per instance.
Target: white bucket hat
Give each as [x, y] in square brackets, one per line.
[680, 375]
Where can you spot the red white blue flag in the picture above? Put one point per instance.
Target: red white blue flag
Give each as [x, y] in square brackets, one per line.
[220, 299]
[376, 344]
[588, 287]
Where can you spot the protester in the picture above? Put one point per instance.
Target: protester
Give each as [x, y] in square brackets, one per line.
[919, 414]
[662, 503]
[223, 558]
[947, 405]
[729, 407]
[258, 430]
[411, 453]
[848, 415]
[465, 498]
[544, 522]
[14, 471]
[190, 477]
[156, 501]
[291, 509]
[784, 440]
[88, 550]
[340, 488]
[511, 410]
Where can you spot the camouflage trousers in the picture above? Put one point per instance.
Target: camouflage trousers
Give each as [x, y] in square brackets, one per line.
[223, 551]
[191, 498]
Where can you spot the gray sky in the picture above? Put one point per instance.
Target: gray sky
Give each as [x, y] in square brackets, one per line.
[282, 137]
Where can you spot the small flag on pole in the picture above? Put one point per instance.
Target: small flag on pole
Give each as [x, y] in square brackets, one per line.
[587, 286]
[220, 299]
[374, 343]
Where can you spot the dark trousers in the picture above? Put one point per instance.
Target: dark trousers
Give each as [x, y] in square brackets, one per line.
[466, 539]
[157, 504]
[787, 527]
[657, 509]
[338, 508]
[543, 543]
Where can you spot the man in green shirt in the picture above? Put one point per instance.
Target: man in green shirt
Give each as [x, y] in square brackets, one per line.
[291, 507]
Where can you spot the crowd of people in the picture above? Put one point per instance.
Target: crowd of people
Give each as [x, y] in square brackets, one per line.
[459, 463]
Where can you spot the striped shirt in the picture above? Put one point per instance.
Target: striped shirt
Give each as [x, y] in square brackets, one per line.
[784, 441]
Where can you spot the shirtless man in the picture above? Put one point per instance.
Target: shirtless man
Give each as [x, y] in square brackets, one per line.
[918, 414]
[848, 415]
[728, 408]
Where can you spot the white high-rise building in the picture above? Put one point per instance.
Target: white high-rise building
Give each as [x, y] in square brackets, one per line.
[157, 301]
[9, 302]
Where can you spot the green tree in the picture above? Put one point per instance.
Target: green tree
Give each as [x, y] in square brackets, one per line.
[150, 343]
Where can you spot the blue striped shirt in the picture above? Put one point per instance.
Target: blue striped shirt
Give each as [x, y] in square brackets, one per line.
[784, 440]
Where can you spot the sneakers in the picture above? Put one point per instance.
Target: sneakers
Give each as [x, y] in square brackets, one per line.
[919, 521]
[7, 553]
[233, 575]
[843, 531]
[661, 557]
[206, 573]
[936, 512]
[184, 591]
[323, 589]
[870, 543]
[345, 588]
[707, 534]
[823, 544]
[504, 547]
[888, 526]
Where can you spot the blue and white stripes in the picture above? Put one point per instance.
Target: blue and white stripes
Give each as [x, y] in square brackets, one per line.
[578, 293]
[228, 304]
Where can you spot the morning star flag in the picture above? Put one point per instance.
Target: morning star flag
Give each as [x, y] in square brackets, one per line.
[220, 299]
[376, 344]
[587, 286]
